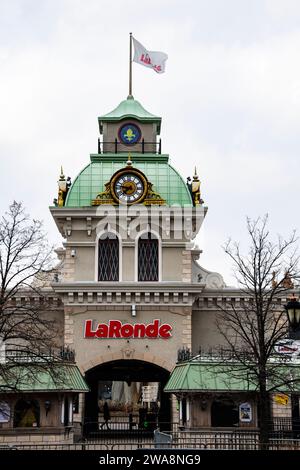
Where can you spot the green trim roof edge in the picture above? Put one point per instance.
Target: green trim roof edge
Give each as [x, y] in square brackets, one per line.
[60, 377]
[135, 157]
[207, 376]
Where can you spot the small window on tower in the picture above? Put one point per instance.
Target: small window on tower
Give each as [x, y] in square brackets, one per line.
[108, 258]
[148, 258]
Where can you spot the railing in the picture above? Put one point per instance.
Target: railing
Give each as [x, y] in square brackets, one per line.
[212, 354]
[139, 147]
[285, 428]
[208, 443]
[127, 435]
[126, 432]
[117, 429]
[23, 356]
[221, 353]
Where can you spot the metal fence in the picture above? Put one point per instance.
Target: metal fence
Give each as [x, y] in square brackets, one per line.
[140, 147]
[130, 435]
[196, 445]
[24, 356]
[180, 439]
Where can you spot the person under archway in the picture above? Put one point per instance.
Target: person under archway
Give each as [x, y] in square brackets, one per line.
[106, 416]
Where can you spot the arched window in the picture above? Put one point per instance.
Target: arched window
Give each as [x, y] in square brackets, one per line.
[108, 258]
[27, 414]
[224, 413]
[148, 258]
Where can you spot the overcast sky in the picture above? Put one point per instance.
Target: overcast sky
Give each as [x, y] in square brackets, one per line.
[229, 100]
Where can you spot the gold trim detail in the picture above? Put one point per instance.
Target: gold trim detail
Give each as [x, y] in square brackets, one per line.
[125, 171]
[108, 196]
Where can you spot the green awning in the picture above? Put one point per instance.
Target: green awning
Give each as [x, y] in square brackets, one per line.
[58, 377]
[198, 376]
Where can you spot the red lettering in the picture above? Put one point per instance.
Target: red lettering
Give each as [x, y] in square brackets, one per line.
[114, 329]
[127, 330]
[165, 331]
[146, 59]
[152, 329]
[88, 331]
[139, 330]
[102, 331]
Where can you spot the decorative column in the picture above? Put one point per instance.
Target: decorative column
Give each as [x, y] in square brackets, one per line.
[69, 327]
[186, 266]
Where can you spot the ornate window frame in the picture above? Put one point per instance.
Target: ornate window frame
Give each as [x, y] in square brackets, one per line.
[136, 255]
[100, 235]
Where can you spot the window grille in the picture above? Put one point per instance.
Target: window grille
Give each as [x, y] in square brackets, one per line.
[148, 258]
[108, 259]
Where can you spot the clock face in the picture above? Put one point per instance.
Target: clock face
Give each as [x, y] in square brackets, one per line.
[129, 134]
[129, 188]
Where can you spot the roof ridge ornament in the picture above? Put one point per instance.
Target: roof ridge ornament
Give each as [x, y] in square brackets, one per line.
[195, 177]
[63, 188]
[62, 176]
[129, 161]
[194, 188]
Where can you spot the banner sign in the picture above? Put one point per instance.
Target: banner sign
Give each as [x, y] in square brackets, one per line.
[289, 347]
[4, 412]
[149, 393]
[117, 329]
[245, 412]
[281, 399]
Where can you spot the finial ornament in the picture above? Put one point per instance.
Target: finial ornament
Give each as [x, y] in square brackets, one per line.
[129, 162]
[287, 281]
[62, 176]
[194, 188]
[63, 188]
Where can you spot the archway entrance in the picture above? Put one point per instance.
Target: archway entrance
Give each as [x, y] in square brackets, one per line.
[126, 395]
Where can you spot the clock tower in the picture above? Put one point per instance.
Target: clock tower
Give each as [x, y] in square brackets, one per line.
[129, 277]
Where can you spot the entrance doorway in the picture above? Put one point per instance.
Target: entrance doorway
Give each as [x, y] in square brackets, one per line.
[126, 396]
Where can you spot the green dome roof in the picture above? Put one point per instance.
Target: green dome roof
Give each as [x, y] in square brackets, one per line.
[130, 108]
[165, 179]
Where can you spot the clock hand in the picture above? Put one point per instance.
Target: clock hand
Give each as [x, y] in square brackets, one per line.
[126, 187]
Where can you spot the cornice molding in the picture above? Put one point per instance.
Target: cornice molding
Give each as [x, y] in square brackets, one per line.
[209, 299]
[122, 293]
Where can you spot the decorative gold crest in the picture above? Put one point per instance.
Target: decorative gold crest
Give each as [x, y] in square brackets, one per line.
[128, 186]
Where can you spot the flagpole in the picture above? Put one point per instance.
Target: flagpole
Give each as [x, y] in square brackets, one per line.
[130, 65]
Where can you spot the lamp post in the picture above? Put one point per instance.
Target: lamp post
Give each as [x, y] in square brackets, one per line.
[293, 313]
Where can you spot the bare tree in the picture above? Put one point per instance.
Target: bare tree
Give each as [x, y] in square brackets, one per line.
[252, 328]
[26, 332]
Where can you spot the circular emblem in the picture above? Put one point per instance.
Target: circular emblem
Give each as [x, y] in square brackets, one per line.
[129, 134]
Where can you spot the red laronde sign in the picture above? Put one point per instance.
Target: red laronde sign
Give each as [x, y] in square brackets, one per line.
[117, 329]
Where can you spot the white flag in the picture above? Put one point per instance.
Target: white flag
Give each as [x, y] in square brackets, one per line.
[153, 59]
